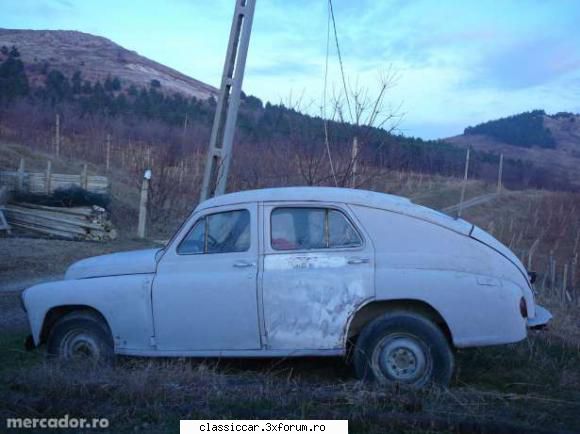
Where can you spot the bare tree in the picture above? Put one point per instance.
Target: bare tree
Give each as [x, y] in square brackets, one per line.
[367, 111]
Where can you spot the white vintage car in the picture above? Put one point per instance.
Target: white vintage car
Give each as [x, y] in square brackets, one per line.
[297, 272]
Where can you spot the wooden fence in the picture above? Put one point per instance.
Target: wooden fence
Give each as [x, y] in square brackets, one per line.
[48, 182]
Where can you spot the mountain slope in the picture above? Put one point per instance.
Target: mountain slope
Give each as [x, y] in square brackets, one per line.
[553, 145]
[97, 58]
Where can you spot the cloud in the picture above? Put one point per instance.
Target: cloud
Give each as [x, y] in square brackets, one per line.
[284, 68]
[45, 9]
[65, 3]
[528, 63]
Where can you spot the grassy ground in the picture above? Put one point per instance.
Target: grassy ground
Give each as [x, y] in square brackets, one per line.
[529, 387]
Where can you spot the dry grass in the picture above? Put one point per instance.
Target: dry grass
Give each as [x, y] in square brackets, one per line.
[530, 387]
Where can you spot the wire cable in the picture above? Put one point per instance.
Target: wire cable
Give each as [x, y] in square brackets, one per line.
[324, 117]
[331, 9]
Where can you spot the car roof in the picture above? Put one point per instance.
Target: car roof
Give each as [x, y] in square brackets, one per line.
[367, 198]
[309, 194]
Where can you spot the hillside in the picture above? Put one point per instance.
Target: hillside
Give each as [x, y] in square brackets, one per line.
[97, 58]
[550, 142]
[98, 89]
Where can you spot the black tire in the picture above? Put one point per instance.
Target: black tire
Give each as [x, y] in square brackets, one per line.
[406, 348]
[81, 336]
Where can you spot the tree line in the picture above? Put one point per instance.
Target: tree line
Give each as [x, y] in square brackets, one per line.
[524, 129]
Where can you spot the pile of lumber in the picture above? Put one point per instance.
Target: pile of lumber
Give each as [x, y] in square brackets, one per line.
[77, 223]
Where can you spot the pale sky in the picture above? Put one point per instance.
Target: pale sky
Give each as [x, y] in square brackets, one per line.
[459, 62]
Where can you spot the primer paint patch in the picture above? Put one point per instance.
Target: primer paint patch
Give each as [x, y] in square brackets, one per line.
[308, 299]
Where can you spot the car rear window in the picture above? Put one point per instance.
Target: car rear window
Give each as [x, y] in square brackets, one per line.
[311, 229]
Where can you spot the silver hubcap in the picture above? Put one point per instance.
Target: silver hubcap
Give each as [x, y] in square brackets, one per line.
[79, 344]
[401, 358]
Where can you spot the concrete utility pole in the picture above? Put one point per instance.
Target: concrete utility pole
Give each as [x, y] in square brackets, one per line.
[464, 186]
[219, 154]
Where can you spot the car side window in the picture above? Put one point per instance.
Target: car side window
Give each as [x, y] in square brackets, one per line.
[194, 242]
[223, 232]
[341, 233]
[311, 228]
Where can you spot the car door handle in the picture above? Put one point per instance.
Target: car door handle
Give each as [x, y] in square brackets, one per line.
[243, 264]
[358, 261]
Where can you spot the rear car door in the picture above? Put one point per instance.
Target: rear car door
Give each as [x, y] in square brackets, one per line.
[318, 268]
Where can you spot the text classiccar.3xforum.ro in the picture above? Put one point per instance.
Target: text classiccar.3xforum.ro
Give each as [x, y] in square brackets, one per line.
[275, 426]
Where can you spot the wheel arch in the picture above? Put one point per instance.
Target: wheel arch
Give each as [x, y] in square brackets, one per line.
[375, 308]
[55, 313]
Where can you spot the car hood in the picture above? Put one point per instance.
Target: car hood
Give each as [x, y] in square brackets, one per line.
[115, 264]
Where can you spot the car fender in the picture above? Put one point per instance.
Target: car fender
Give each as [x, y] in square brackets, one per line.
[478, 309]
[124, 302]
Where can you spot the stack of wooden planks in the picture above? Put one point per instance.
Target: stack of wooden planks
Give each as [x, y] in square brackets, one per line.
[77, 223]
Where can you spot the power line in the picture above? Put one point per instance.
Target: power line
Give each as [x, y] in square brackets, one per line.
[331, 9]
[324, 117]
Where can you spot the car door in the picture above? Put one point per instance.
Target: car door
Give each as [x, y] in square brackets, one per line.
[318, 268]
[204, 292]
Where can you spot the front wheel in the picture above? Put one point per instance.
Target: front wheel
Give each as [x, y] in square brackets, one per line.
[81, 335]
[403, 348]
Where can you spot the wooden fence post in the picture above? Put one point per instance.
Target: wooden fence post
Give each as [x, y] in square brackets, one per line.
[143, 204]
[573, 280]
[57, 136]
[181, 172]
[552, 271]
[20, 186]
[108, 151]
[531, 253]
[565, 285]
[500, 174]
[354, 160]
[48, 176]
[84, 177]
[464, 186]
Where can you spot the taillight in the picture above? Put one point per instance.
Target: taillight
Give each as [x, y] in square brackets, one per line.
[523, 308]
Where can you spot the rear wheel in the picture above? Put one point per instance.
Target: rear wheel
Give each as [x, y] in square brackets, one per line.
[403, 348]
[81, 336]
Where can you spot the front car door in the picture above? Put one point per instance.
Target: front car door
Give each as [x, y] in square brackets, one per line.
[318, 268]
[204, 292]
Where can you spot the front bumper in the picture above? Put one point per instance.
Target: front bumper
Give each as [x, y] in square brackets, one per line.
[543, 316]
